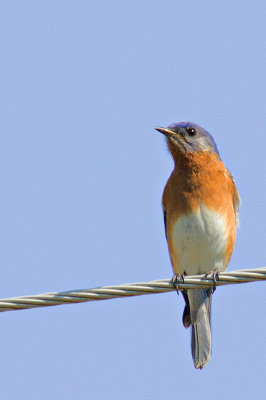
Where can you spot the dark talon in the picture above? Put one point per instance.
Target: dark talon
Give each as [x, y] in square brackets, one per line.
[175, 282]
[215, 277]
[178, 278]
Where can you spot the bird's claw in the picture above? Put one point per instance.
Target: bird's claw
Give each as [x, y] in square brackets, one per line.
[215, 277]
[176, 280]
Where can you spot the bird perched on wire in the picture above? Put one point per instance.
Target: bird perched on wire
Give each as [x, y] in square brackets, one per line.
[200, 205]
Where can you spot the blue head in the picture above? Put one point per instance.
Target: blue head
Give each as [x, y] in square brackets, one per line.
[189, 137]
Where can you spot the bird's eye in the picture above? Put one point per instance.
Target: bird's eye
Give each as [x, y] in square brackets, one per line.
[191, 131]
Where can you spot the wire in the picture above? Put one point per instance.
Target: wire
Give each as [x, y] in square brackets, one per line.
[130, 289]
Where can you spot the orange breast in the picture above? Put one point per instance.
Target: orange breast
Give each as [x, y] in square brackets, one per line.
[200, 179]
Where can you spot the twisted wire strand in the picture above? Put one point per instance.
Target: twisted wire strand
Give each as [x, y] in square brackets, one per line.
[130, 289]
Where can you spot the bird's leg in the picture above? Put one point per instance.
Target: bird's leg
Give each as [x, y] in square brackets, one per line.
[215, 277]
[178, 278]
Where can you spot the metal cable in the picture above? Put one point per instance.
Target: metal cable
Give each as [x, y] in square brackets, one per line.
[130, 289]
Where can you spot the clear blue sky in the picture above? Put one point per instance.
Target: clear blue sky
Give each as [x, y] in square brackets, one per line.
[83, 83]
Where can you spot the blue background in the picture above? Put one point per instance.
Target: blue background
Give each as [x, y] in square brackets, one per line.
[83, 83]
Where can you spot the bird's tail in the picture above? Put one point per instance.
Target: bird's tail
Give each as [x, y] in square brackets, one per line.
[200, 309]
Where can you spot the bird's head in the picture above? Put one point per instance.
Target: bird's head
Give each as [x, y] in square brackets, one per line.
[188, 137]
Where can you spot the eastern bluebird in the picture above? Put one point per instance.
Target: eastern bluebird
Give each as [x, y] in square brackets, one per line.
[200, 205]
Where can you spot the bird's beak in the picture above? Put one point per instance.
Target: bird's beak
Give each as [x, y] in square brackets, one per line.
[167, 132]
[176, 137]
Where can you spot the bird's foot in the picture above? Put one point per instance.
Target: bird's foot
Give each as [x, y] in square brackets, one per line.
[215, 276]
[178, 278]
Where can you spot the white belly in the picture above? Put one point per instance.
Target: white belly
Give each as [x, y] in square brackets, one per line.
[199, 240]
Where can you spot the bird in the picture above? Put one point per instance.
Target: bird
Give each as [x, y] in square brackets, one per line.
[200, 207]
